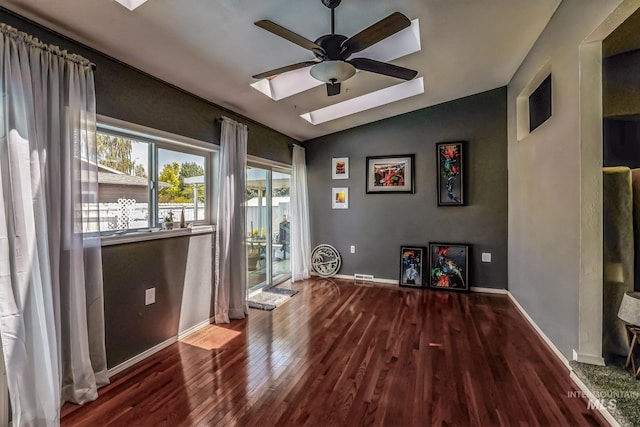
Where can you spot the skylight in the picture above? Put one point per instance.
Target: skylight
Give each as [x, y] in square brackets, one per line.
[131, 4]
[365, 102]
[398, 45]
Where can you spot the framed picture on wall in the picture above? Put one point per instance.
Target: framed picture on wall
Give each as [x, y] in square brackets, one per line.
[449, 266]
[411, 266]
[340, 198]
[390, 174]
[450, 173]
[340, 168]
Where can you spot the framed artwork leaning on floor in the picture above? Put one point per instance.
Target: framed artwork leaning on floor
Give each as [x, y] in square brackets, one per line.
[411, 266]
[449, 266]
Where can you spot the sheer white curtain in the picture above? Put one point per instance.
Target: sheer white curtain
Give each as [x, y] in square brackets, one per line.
[51, 308]
[231, 260]
[300, 234]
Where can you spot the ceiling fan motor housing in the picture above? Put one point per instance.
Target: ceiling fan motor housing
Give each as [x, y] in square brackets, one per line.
[331, 4]
[332, 45]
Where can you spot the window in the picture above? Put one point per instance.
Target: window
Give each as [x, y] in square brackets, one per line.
[142, 179]
[181, 184]
[540, 104]
[123, 182]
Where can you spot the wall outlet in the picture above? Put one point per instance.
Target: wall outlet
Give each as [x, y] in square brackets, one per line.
[353, 249]
[150, 296]
[486, 256]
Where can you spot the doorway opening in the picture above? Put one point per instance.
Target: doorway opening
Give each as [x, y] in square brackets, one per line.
[267, 205]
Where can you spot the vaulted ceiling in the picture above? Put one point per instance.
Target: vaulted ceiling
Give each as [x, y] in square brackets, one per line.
[212, 48]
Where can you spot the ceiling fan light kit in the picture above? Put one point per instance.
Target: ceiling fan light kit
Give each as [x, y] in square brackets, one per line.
[332, 71]
[332, 51]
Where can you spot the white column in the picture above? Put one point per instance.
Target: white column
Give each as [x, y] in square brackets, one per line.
[590, 289]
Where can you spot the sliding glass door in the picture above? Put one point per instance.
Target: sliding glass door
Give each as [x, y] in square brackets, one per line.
[280, 214]
[268, 238]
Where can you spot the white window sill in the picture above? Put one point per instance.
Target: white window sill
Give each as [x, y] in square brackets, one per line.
[142, 236]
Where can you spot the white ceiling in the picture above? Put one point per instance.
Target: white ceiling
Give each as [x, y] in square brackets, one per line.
[211, 47]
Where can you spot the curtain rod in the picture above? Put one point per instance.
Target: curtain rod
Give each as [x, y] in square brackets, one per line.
[221, 118]
[35, 42]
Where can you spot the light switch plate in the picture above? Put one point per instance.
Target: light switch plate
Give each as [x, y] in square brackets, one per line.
[486, 256]
[150, 296]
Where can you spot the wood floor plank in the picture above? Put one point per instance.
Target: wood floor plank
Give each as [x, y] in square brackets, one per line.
[338, 354]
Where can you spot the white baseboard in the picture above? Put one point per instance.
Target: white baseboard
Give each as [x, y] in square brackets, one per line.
[601, 408]
[139, 358]
[395, 282]
[350, 277]
[195, 328]
[542, 335]
[339, 276]
[376, 280]
[489, 290]
[153, 350]
[387, 281]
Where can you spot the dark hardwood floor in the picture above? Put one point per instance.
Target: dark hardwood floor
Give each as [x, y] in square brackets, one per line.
[339, 354]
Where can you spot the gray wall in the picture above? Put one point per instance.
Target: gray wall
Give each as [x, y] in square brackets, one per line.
[179, 268]
[127, 94]
[378, 224]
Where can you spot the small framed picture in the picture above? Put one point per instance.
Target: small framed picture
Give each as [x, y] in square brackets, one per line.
[449, 265]
[340, 168]
[411, 273]
[450, 173]
[390, 174]
[340, 198]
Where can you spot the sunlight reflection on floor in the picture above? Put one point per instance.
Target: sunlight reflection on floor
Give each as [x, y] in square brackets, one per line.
[211, 337]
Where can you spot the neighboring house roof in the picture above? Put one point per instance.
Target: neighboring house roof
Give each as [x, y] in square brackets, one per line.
[121, 179]
[108, 169]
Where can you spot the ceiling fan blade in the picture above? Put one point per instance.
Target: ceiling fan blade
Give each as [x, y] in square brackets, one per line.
[385, 68]
[278, 30]
[375, 33]
[333, 89]
[284, 69]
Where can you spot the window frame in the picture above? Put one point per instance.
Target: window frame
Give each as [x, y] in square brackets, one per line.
[158, 139]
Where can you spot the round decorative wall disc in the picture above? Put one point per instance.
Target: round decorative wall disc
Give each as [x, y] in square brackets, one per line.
[326, 260]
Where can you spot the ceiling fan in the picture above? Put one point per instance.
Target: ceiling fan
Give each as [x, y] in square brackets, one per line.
[332, 51]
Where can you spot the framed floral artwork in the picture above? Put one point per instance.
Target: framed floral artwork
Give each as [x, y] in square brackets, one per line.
[449, 265]
[390, 174]
[340, 168]
[450, 173]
